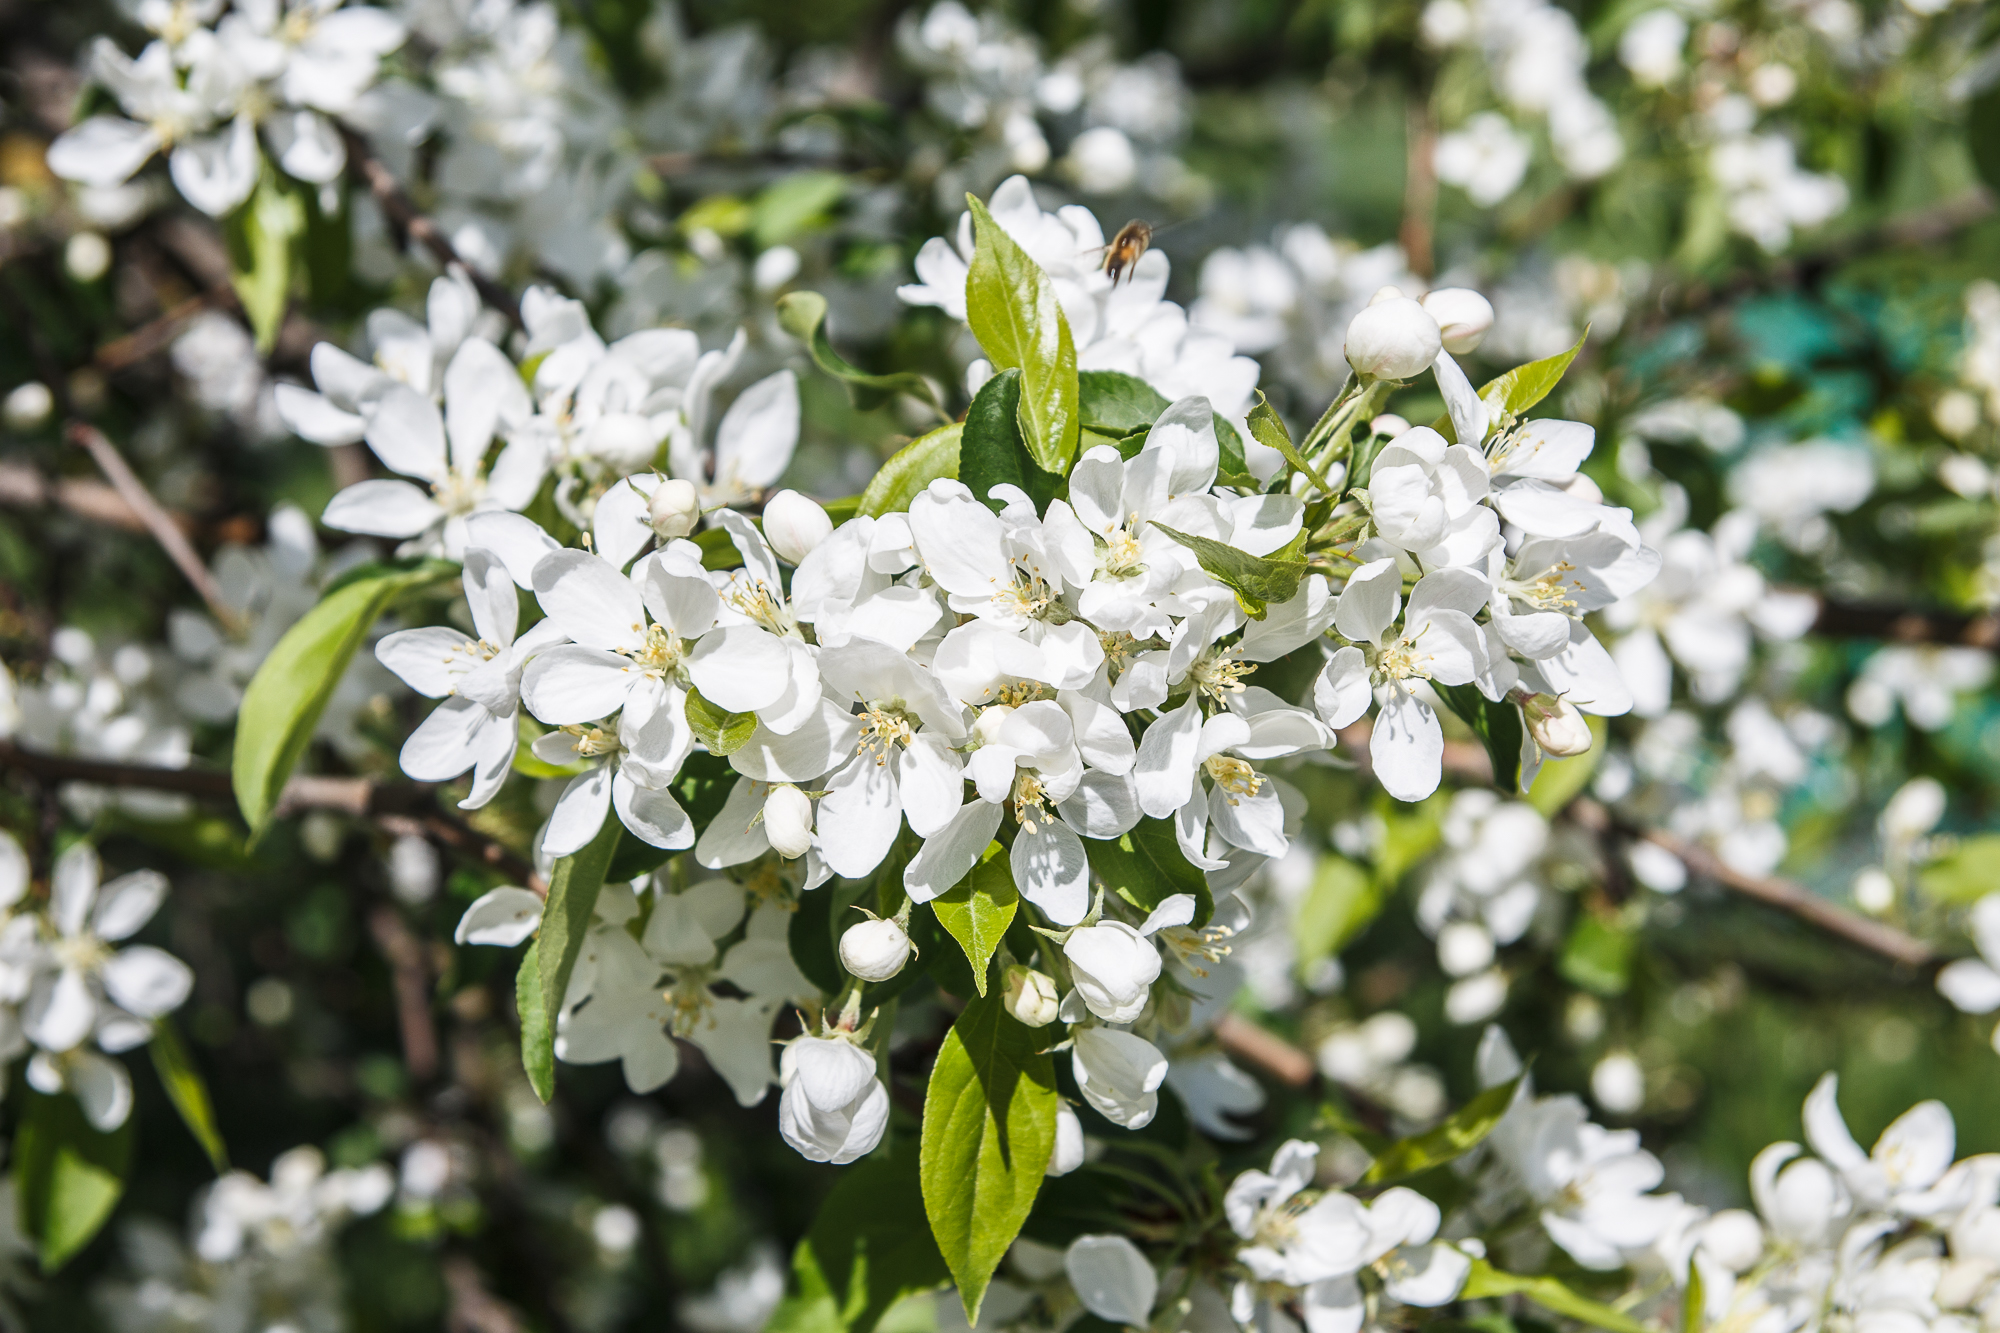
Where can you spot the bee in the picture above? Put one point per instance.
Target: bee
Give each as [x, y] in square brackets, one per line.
[1126, 249]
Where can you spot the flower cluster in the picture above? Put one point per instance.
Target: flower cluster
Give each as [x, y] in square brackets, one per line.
[72, 996]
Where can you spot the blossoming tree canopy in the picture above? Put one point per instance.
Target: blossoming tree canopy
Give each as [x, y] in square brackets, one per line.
[777, 669]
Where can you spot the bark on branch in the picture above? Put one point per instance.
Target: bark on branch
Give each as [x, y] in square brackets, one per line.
[412, 223]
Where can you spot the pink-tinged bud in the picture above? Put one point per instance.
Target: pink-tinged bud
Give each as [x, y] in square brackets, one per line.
[674, 509]
[794, 525]
[1393, 339]
[1556, 725]
[1463, 317]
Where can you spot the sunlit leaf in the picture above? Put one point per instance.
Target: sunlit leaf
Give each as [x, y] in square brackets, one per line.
[1460, 1133]
[915, 466]
[978, 910]
[1012, 308]
[803, 315]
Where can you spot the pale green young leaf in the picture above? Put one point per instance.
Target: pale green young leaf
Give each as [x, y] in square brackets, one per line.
[1465, 1130]
[1597, 956]
[723, 732]
[792, 203]
[913, 467]
[1257, 581]
[1487, 1281]
[538, 1037]
[573, 889]
[285, 698]
[1966, 873]
[989, 1127]
[803, 315]
[1011, 305]
[187, 1090]
[979, 908]
[1522, 387]
[68, 1175]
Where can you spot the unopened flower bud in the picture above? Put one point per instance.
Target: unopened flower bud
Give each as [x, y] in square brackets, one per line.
[794, 525]
[1463, 317]
[675, 508]
[788, 820]
[1393, 339]
[1556, 725]
[875, 949]
[1031, 996]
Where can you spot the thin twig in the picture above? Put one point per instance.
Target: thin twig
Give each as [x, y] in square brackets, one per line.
[156, 333]
[405, 956]
[1902, 624]
[407, 220]
[1874, 936]
[24, 487]
[1265, 1049]
[158, 522]
[1420, 185]
[399, 807]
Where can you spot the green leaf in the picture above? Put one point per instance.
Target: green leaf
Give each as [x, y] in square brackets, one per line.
[1230, 468]
[290, 690]
[791, 204]
[913, 467]
[1487, 1281]
[979, 908]
[1561, 779]
[1498, 726]
[1340, 905]
[263, 232]
[1693, 1298]
[803, 315]
[1459, 1134]
[187, 1091]
[1012, 308]
[1257, 581]
[1597, 956]
[1116, 404]
[538, 1035]
[1966, 873]
[869, 1246]
[989, 1127]
[1145, 867]
[525, 762]
[991, 452]
[723, 732]
[1522, 387]
[1269, 430]
[68, 1176]
[573, 888]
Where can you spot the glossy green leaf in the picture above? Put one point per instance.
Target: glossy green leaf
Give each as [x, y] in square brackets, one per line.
[1268, 429]
[1230, 467]
[68, 1176]
[1459, 1134]
[723, 732]
[290, 690]
[991, 451]
[1966, 873]
[1522, 387]
[803, 315]
[1257, 581]
[187, 1090]
[869, 1247]
[1597, 956]
[913, 467]
[979, 908]
[1145, 867]
[1012, 308]
[1116, 404]
[1487, 1281]
[1343, 901]
[1498, 726]
[264, 233]
[989, 1127]
[793, 203]
[573, 889]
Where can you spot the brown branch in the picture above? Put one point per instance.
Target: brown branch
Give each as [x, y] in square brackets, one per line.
[1265, 1049]
[162, 329]
[1420, 186]
[158, 522]
[1875, 936]
[1901, 624]
[23, 487]
[405, 955]
[399, 807]
[411, 223]
[473, 1308]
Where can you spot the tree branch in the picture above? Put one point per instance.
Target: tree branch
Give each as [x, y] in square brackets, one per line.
[1901, 624]
[158, 522]
[1875, 936]
[405, 955]
[410, 222]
